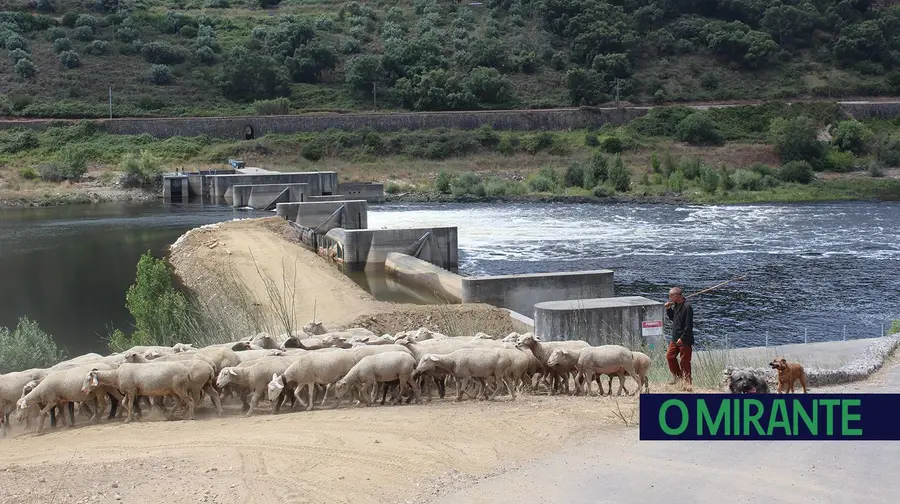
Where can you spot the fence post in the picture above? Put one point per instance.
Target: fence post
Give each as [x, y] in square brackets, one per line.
[882, 329]
[845, 333]
[767, 339]
[805, 335]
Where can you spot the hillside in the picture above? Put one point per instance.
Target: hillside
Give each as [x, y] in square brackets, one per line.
[214, 57]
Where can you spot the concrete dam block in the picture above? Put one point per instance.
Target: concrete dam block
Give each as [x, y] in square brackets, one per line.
[520, 293]
[266, 196]
[630, 321]
[423, 275]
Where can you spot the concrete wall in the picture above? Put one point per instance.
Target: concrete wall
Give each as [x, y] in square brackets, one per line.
[319, 183]
[176, 189]
[521, 292]
[604, 321]
[320, 215]
[333, 197]
[369, 191]
[266, 196]
[358, 250]
[423, 275]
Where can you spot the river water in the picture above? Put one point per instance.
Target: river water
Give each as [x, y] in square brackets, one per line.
[823, 271]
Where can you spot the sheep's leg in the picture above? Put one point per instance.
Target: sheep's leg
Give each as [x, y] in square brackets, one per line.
[621, 384]
[459, 390]
[185, 398]
[211, 392]
[43, 415]
[254, 401]
[510, 388]
[312, 396]
[415, 388]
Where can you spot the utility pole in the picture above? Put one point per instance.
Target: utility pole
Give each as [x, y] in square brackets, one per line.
[374, 97]
[617, 91]
[110, 102]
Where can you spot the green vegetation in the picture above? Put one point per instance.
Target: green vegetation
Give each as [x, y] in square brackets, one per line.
[27, 347]
[774, 152]
[214, 57]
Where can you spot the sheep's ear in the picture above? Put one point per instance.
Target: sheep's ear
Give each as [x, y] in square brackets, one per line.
[94, 381]
[430, 357]
[232, 372]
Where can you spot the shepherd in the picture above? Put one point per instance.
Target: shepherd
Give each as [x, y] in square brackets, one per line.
[681, 313]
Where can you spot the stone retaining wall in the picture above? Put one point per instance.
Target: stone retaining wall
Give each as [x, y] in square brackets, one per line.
[861, 367]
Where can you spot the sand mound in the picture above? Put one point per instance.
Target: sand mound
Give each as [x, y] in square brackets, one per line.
[243, 262]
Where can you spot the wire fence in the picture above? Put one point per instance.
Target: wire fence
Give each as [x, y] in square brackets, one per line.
[787, 337]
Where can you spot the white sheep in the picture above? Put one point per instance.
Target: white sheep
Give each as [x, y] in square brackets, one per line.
[255, 377]
[642, 363]
[563, 362]
[62, 387]
[542, 350]
[467, 363]
[378, 368]
[11, 385]
[152, 379]
[608, 360]
[314, 368]
[202, 370]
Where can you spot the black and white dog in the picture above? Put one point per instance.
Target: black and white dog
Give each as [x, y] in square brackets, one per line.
[747, 382]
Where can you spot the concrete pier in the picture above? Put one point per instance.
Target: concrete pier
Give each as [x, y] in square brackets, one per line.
[520, 293]
[423, 275]
[370, 191]
[323, 216]
[629, 321]
[266, 196]
[320, 183]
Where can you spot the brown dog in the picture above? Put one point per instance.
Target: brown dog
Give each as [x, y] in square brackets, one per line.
[788, 373]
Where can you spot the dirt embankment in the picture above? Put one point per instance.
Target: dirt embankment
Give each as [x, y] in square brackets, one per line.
[260, 257]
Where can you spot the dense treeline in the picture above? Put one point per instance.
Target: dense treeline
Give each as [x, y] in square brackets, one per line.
[431, 55]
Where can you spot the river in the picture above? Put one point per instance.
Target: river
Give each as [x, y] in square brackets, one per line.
[821, 271]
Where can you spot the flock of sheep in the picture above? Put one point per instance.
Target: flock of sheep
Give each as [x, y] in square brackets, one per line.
[307, 367]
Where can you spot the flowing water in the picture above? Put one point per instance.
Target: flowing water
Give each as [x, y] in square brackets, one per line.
[819, 267]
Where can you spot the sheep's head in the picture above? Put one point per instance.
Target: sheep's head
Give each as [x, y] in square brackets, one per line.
[131, 357]
[403, 340]
[527, 340]
[226, 376]
[29, 387]
[511, 337]
[21, 409]
[275, 387]
[314, 328]
[557, 356]
[91, 381]
[152, 354]
[240, 346]
[334, 340]
[427, 364]
[182, 347]
[340, 388]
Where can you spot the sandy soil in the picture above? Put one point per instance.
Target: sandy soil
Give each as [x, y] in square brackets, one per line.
[251, 251]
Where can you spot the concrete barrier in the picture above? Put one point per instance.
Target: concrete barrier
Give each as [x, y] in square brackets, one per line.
[521, 292]
[323, 216]
[266, 196]
[320, 183]
[419, 274]
[370, 191]
[367, 249]
[630, 321]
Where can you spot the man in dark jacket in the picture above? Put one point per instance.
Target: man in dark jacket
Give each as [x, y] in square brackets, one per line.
[681, 314]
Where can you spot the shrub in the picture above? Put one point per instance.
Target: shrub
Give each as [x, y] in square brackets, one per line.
[619, 175]
[206, 55]
[875, 169]
[600, 192]
[763, 170]
[442, 182]
[18, 140]
[56, 33]
[500, 187]
[654, 163]
[62, 44]
[709, 179]
[699, 129]
[838, 161]
[83, 33]
[162, 53]
[27, 346]
[747, 180]
[574, 176]
[591, 140]
[98, 47]
[796, 139]
[467, 183]
[313, 151]
[725, 181]
[277, 106]
[28, 173]
[538, 142]
[143, 170]
[17, 54]
[25, 68]
[15, 41]
[852, 136]
[796, 171]
[45, 6]
[71, 165]
[159, 310]
[690, 167]
[611, 144]
[161, 75]
[69, 59]
[540, 183]
[597, 171]
[676, 181]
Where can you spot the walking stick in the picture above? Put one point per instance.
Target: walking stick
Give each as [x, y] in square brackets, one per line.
[716, 286]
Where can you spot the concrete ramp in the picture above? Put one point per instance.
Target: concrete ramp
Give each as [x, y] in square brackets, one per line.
[266, 196]
[419, 274]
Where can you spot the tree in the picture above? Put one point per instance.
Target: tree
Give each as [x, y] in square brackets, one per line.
[247, 77]
[796, 139]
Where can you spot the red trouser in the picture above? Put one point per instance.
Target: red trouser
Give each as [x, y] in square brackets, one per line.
[685, 350]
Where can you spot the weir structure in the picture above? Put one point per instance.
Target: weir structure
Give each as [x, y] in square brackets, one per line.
[555, 305]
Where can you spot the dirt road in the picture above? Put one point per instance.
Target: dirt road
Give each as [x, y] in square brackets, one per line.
[381, 454]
